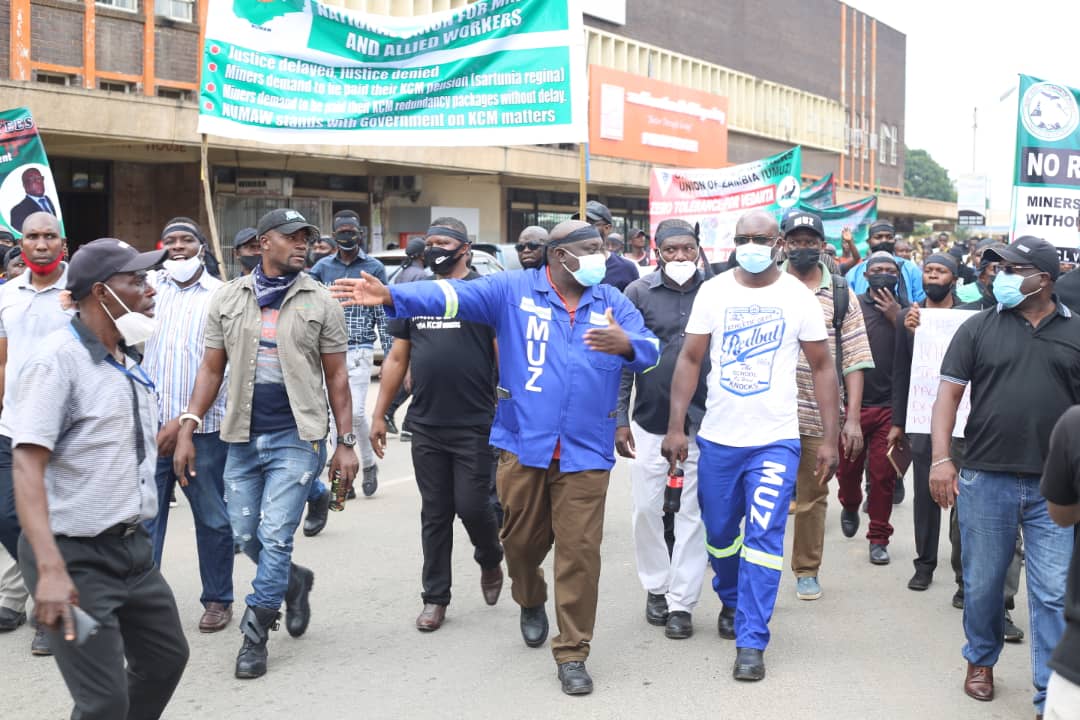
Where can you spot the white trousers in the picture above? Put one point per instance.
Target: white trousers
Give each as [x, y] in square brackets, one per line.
[1062, 699]
[13, 592]
[358, 361]
[680, 576]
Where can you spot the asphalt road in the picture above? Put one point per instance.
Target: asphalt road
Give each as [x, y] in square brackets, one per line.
[869, 648]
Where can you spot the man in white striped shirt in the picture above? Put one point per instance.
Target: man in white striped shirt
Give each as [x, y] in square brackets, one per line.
[172, 359]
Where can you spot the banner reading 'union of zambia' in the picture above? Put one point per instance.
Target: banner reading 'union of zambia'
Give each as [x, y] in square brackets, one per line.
[495, 72]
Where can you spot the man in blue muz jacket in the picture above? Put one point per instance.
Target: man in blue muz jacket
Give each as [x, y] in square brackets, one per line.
[564, 341]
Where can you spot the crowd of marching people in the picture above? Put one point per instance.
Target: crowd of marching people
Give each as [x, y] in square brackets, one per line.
[735, 390]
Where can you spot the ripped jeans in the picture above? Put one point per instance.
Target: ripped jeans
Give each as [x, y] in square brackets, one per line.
[267, 480]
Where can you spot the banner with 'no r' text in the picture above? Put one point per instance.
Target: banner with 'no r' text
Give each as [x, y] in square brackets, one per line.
[495, 72]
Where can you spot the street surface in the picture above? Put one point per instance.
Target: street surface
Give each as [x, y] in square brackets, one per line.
[869, 648]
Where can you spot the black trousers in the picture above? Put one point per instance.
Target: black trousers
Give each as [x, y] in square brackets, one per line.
[120, 587]
[927, 512]
[9, 521]
[453, 472]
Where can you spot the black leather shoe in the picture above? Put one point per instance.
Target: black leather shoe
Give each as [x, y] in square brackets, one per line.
[575, 678]
[749, 664]
[318, 510]
[920, 581]
[879, 554]
[849, 522]
[958, 598]
[1013, 634]
[898, 492]
[656, 610]
[534, 625]
[297, 607]
[10, 619]
[725, 623]
[255, 626]
[679, 625]
[391, 426]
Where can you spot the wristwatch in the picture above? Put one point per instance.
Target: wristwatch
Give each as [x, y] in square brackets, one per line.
[348, 440]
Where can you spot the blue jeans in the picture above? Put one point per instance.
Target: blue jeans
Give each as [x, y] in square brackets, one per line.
[990, 507]
[268, 481]
[213, 533]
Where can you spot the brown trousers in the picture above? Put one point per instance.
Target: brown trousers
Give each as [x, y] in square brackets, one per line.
[811, 502]
[543, 506]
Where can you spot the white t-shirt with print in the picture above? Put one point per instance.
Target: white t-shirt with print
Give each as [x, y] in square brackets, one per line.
[753, 396]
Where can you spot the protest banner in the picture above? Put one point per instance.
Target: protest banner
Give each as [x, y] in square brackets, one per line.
[857, 216]
[26, 182]
[1046, 178]
[821, 194]
[494, 72]
[932, 338]
[716, 198]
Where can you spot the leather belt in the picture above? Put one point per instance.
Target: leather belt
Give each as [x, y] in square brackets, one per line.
[121, 529]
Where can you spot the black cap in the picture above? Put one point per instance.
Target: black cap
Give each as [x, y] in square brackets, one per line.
[595, 211]
[11, 254]
[1028, 250]
[286, 221]
[802, 220]
[245, 236]
[5, 235]
[346, 220]
[415, 247]
[99, 260]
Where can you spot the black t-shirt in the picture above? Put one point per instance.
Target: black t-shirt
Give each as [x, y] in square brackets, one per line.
[1067, 288]
[453, 370]
[1022, 380]
[877, 382]
[1061, 486]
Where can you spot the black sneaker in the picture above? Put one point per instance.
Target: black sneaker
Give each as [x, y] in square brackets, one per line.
[371, 480]
[575, 678]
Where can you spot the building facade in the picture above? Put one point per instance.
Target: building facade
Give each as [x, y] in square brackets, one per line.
[113, 86]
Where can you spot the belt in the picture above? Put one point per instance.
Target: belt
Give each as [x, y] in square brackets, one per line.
[120, 530]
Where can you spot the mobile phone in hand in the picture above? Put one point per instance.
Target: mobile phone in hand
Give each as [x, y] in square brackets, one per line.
[86, 626]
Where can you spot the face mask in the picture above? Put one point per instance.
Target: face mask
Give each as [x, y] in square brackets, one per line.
[680, 271]
[248, 262]
[183, 270]
[42, 269]
[1007, 289]
[315, 257]
[803, 259]
[883, 282]
[888, 247]
[440, 260]
[347, 240]
[754, 258]
[134, 327]
[591, 269]
[936, 292]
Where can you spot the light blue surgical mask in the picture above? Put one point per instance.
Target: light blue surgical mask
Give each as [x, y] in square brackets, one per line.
[754, 258]
[591, 269]
[1007, 289]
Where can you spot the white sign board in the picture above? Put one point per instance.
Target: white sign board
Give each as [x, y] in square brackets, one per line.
[614, 11]
[469, 216]
[932, 338]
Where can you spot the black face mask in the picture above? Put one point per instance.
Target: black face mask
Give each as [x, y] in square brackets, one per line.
[347, 240]
[936, 292]
[441, 261]
[804, 259]
[888, 247]
[315, 257]
[883, 282]
[248, 262]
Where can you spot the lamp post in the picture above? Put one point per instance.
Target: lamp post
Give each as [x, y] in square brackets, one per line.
[975, 123]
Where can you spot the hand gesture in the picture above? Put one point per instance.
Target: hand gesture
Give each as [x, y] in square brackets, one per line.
[911, 322]
[611, 340]
[886, 302]
[624, 442]
[364, 290]
[944, 484]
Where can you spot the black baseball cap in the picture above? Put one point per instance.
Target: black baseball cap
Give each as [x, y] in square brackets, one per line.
[99, 260]
[286, 221]
[595, 211]
[415, 247]
[802, 220]
[245, 236]
[6, 236]
[1029, 250]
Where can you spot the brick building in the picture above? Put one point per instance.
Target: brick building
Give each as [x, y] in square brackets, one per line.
[113, 84]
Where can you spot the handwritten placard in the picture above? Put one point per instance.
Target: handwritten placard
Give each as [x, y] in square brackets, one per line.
[932, 338]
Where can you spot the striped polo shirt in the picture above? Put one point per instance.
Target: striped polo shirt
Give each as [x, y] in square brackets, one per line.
[175, 350]
[99, 423]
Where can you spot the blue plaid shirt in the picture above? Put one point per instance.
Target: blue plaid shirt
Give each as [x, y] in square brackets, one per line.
[360, 322]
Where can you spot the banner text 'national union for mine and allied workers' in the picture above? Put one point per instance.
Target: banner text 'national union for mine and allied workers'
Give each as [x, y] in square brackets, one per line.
[495, 72]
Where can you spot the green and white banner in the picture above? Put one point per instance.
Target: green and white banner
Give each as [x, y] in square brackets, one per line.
[26, 182]
[495, 72]
[856, 216]
[1046, 182]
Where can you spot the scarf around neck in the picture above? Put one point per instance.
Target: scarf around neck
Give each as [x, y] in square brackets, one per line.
[270, 290]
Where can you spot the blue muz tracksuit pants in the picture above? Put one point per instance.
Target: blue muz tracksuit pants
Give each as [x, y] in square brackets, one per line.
[755, 484]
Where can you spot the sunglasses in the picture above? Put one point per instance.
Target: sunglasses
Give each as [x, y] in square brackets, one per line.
[756, 239]
[1010, 269]
[528, 246]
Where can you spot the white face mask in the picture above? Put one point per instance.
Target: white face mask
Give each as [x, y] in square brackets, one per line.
[134, 327]
[680, 271]
[183, 270]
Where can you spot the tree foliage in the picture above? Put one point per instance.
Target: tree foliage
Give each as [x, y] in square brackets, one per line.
[924, 178]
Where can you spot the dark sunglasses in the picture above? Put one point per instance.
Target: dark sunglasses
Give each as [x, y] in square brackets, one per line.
[528, 246]
[756, 239]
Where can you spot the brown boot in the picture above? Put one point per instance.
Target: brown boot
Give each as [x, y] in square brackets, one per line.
[431, 618]
[491, 582]
[979, 683]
